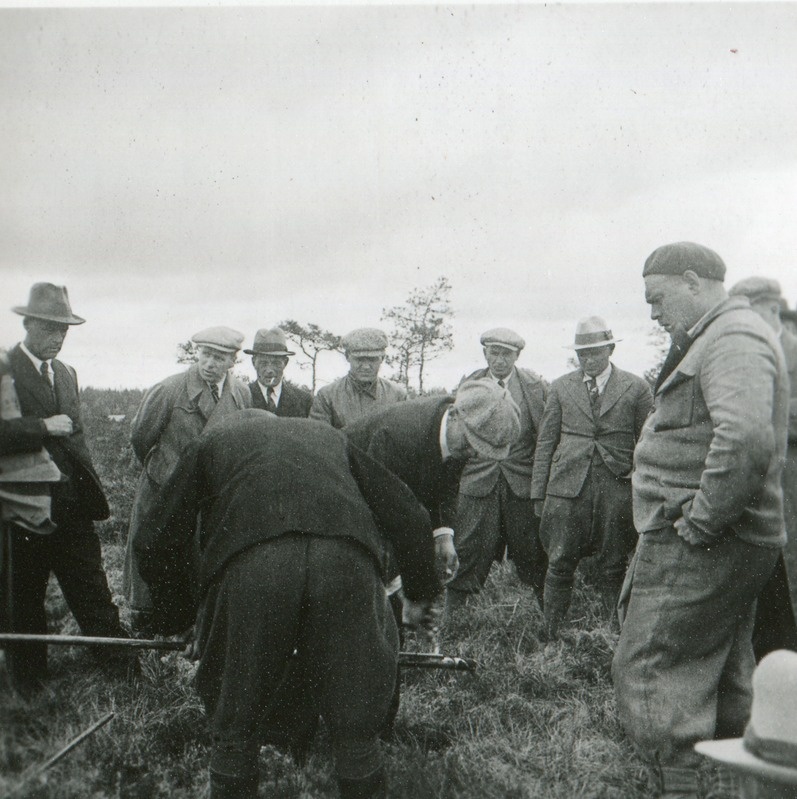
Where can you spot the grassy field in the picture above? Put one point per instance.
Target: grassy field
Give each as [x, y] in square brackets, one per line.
[536, 720]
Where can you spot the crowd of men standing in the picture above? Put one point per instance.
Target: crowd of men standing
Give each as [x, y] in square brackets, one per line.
[299, 533]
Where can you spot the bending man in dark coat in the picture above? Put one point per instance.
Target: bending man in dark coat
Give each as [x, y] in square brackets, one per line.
[290, 549]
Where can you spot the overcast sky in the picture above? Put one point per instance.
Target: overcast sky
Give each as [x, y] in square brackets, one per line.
[179, 168]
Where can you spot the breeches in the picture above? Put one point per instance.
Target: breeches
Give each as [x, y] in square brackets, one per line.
[487, 525]
[311, 610]
[683, 666]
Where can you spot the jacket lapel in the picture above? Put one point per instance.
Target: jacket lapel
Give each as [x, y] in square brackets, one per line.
[199, 393]
[35, 396]
[578, 391]
[617, 385]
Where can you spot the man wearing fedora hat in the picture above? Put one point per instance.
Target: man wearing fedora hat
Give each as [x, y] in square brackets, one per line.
[494, 513]
[708, 506]
[362, 390]
[762, 764]
[171, 416]
[49, 404]
[270, 392]
[775, 618]
[581, 485]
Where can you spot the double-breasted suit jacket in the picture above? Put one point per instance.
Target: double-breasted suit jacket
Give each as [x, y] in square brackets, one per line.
[171, 416]
[294, 401]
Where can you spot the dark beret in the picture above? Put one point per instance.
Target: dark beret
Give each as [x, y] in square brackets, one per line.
[677, 258]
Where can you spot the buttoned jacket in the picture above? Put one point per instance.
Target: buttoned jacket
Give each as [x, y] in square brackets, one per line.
[480, 475]
[294, 401]
[571, 433]
[713, 450]
[82, 490]
[174, 413]
[344, 401]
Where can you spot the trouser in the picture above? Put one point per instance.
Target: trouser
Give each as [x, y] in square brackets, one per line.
[322, 599]
[683, 666]
[596, 522]
[73, 553]
[485, 527]
[133, 585]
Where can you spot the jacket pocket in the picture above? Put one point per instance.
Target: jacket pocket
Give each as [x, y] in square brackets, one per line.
[675, 406]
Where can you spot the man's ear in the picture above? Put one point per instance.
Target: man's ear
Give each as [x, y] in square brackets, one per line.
[692, 280]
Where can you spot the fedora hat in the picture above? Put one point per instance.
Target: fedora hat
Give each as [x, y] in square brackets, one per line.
[592, 332]
[49, 302]
[769, 746]
[270, 341]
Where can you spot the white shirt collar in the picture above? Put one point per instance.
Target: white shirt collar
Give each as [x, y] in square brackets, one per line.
[504, 380]
[37, 362]
[276, 389]
[602, 379]
[220, 384]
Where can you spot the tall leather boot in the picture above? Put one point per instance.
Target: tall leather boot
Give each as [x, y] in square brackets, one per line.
[556, 605]
[228, 786]
[374, 786]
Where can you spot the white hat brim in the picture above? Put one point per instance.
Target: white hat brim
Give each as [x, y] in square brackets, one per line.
[732, 753]
[592, 346]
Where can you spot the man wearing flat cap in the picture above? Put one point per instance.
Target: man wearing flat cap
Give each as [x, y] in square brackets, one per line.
[775, 618]
[708, 507]
[361, 391]
[171, 416]
[494, 512]
[270, 392]
[581, 485]
[60, 537]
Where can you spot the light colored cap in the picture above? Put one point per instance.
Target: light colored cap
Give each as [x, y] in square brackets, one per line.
[490, 417]
[756, 289]
[365, 341]
[270, 341]
[224, 339]
[769, 746]
[677, 258]
[503, 337]
[592, 332]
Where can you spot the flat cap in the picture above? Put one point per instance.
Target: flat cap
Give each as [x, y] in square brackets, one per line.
[503, 337]
[757, 288]
[270, 341]
[365, 341]
[490, 417]
[677, 258]
[224, 339]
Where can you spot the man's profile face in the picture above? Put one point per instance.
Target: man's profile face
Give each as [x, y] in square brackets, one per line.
[364, 368]
[213, 364]
[44, 339]
[594, 360]
[671, 302]
[269, 368]
[501, 360]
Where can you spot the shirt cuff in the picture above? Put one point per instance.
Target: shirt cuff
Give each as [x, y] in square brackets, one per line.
[440, 531]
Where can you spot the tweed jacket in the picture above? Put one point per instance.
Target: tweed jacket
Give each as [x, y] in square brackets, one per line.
[81, 493]
[344, 401]
[570, 433]
[294, 401]
[253, 477]
[174, 413]
[713, 450]
[480, 475]
[788, 342]
[405, 438]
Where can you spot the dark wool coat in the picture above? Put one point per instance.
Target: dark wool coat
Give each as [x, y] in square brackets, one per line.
[294, 401]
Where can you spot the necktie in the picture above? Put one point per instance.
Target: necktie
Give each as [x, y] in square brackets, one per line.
[214, 392]
[272, 406]
[502, 384]
[594, 394]
[47, 375]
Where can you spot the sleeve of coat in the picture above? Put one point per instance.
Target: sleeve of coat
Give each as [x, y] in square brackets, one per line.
[737, 380]
[165, 547]
[547, 442]
[321, 409]
[151, 419]
[644, 405]
[25, 434]
[402, 519]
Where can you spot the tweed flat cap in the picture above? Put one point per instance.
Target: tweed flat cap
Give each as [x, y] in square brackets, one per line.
[365, 341]
[756, 289]
[503, 337]
[677, 258]
[270, 342]
[490, 417]
[224, 339]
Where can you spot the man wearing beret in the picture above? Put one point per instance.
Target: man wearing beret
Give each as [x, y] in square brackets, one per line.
[59, 537]
[775, 620]
[172, 414]
[362, 390]
[581, 485]
[270, 392]
[708, 507]
[494, 512]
